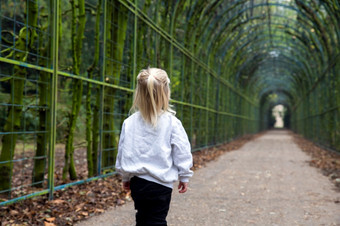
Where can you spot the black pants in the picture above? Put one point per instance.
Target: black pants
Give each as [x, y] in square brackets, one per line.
[152, 202]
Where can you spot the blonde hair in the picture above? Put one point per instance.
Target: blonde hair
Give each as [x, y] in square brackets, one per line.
[152, 94]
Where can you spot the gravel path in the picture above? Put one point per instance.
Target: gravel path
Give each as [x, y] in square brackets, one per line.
[266, 182]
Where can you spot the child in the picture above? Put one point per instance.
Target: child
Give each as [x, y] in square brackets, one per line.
[154, 150]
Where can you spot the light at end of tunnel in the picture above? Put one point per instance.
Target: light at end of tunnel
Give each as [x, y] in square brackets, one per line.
[278, 113]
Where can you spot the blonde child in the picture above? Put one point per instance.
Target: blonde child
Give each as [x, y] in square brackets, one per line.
[154, 150]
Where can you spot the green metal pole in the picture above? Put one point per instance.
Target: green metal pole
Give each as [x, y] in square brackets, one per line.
[207, 112]
[156, 42]
[54, 88]
[102, 94]
[134, 66]
[172, 38]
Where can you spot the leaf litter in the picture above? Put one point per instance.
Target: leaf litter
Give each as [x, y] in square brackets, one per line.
[327, 161]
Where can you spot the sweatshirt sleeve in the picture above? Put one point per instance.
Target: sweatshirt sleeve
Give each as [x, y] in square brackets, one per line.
[181, 149]
[119, 168]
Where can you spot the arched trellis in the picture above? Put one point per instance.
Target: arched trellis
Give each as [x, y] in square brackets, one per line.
[219, 54]
[249, 35]
[284, 6]
[244, 10]
[284, 73]
[309, 21]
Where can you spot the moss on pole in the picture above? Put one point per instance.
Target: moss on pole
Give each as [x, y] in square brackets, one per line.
[92, 151]
[13, 122]
[77, 94]
[118, 15]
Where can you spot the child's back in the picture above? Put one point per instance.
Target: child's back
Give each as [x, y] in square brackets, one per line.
[154, 153]
[154, 150]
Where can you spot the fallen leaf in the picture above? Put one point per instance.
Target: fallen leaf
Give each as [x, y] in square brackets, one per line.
[50, 219]
[84, 213]
[14, 212]
[57, 201]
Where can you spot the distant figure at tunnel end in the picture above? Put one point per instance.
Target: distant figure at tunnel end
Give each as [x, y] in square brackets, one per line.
[154, 150]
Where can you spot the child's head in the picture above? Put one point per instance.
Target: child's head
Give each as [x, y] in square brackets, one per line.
[152, 94]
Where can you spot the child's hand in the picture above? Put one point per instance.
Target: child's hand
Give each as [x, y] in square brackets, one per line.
[183, 187]
[126, 185]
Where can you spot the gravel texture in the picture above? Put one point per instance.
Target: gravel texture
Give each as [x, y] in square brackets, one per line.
[266, 182]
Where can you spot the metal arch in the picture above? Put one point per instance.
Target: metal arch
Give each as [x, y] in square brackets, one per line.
[204, 13]
[257, 37]
[286, 41]
[250, 60]
[282, 89]
[335, 16]
[270, 90]
[266, 72]
[255, 6]
[274, 81]
[259, 45]
[293, 44]
[277, 47]
[257, 25]
[266, 81]
[231, 42]
[279, 91]
[284, 99]
[269, 104]
[271, 4]
[267, 5]
[274, 86]
[282, 69]
[191, 12]
[232, 6]
[263, 76]
[212, 4]
[263, 37]
[306, 68]
[283, 59]
[307, 34]
[281, 73]
[300, 55]
[323, 29]
[172, 22]
[290, 75]
[260, 24]
[316, 40]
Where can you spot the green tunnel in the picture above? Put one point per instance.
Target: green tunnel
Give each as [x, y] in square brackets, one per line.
[68, 71]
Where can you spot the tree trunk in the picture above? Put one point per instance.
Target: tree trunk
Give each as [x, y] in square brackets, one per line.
[42, 138]
[44, 117]
[77, 42]
[12, 126]
[118, 14]
[95, 132]
[89, 124]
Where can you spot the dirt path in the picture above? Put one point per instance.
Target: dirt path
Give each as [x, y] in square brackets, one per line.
[266, 182]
